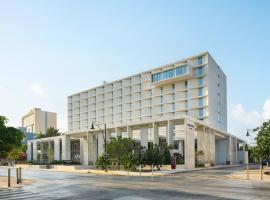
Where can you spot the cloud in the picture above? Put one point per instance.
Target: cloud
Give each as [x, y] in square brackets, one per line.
[243, 116]
[37, 89]
[241, 119]
[1, 88]
[266, 109]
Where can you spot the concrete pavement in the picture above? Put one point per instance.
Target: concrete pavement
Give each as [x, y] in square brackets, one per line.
[206, 184]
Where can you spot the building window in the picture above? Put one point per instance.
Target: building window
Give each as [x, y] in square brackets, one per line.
[199, 71]
[173, 97]
[186, 84]
[196, 144]
[161, 99]
[186, 105]
[186, 94]
[161, 90]
[201, 113]
[200, 92]
[200, 102]
[176, 145]
[173, 107]
[173, 87]
[200, 82]
[161, 109]
[200, 60]
[173, 130]
[179, 71]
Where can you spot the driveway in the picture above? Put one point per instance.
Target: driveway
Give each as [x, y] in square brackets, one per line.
[205, 184]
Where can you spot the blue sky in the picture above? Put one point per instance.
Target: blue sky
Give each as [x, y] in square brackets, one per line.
[51, 49]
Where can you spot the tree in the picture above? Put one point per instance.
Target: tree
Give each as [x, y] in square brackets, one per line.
[252, 153]
[118, 148]
[50, 132]
[122, 152]
[130, 161]
[17, 154]
[153, 157]
[167, 155]
[10, 138]
[102, 162]
[263, 140]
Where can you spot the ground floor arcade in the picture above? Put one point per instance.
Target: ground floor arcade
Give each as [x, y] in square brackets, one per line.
[187, 136]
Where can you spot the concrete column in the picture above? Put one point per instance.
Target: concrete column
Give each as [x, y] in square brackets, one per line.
[130, 132]
[41, 151]
[155, 134]
[86, 148]
[29, 151]
[82, 150]
[34, 150]
[189, 144]
[169, 133]
[56, 149]
[91, 148]
[207, 155]
[229, 150]
[100, 136]
[118, 132]
[144, 137]
[212, 147]
[236, 152]
[201, 143]
[66, 147]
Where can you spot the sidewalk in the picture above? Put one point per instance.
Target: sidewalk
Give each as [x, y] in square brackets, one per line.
[161, 172]
[254, 175]
[13, 180]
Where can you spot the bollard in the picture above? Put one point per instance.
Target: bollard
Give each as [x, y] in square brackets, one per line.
[140, 170]
[20, 172]
[8, 177]
[152, 170]
[261, 172]
[17, 175]
[247, 173]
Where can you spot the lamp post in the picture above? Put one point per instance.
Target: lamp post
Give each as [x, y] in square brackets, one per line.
[104, 136]
[248, 156]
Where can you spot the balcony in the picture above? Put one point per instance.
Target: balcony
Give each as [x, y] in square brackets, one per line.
[170, 76]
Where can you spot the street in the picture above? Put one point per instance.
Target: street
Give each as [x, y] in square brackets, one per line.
[206, 184]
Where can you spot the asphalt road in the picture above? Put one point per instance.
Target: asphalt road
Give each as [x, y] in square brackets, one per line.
[206, 184]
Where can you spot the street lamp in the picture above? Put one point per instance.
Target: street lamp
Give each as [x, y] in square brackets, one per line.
[248, 132]
[104, 136]
[248, 155]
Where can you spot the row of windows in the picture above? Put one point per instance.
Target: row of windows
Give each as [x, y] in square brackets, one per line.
[179, 71]
[199, 71]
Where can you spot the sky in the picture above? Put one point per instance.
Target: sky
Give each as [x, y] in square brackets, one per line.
[52, 49]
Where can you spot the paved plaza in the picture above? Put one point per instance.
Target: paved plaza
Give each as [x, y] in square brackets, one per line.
[206, 184]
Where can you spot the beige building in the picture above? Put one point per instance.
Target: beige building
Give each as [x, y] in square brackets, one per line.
[183, 103]
[194, 86]
[37, 121]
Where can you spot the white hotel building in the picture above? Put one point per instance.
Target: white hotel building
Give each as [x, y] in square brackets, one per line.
[182, 103]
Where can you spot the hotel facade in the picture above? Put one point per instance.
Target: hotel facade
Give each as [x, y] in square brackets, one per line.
[182, 103]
